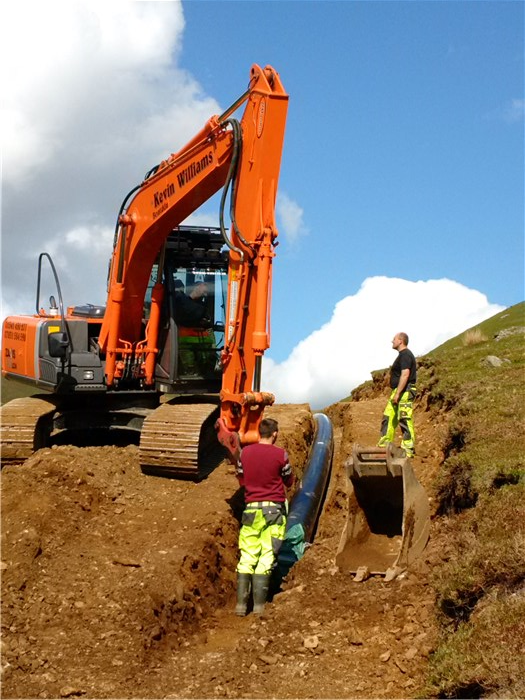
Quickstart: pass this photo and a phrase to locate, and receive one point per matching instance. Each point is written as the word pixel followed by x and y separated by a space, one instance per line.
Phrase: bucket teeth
pixel 362 573
pixel 393 572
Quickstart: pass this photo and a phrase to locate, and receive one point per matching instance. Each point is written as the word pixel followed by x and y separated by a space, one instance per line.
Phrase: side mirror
pixel 58 344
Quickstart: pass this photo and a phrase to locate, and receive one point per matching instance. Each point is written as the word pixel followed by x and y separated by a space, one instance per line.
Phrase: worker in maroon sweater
pixel 265 473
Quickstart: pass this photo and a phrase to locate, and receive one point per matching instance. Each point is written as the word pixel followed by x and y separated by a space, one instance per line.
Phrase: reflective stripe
pixel 194 332
pixel 263 504
pixel 259 541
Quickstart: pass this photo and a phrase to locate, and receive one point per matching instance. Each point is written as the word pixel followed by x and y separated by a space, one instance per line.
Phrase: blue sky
pixel 404 145
pixel 402 183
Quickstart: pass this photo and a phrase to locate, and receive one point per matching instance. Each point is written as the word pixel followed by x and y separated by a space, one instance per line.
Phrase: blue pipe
pixel 306 504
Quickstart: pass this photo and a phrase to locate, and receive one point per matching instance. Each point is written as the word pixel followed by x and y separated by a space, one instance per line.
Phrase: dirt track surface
pixel 116 584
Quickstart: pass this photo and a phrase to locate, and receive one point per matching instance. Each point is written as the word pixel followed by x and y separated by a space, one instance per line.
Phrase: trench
pixel 129 569
pixel 207 581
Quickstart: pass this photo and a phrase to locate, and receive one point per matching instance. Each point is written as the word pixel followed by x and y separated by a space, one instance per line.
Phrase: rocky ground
pixel 118 584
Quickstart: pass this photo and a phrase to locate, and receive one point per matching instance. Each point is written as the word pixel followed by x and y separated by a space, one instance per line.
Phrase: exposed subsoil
pixel 117 584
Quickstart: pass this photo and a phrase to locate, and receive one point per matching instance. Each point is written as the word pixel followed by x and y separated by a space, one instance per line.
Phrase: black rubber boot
pixel 261 584
pixel 244 585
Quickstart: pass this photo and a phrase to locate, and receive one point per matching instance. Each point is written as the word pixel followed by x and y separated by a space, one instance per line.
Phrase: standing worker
pixel 400 407
pixel 264 471
pixel 196 339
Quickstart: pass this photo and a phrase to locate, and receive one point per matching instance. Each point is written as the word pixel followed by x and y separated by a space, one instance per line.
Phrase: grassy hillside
pixel 478 379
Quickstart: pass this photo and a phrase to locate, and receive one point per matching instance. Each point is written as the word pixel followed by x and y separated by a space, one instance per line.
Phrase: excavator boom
pixel 245 155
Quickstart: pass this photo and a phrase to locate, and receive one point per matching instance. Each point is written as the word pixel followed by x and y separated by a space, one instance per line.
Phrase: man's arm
pixel 403 381
pixel 239 472
pixel 287 474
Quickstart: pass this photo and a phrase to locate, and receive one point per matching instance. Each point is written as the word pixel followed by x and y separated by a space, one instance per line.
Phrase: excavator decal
pixel 194 169
pixel 160 197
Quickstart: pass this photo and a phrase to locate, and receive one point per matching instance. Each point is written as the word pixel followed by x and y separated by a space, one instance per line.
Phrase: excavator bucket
pixel 389 516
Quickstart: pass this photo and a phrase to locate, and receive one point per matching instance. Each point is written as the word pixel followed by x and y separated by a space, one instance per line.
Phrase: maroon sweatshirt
pixel 264 471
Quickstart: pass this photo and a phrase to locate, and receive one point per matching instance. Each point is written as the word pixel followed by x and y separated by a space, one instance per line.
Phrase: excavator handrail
pixel 63 324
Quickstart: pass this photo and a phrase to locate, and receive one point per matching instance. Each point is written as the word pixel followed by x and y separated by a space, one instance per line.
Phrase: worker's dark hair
pixel 268 427
pixel 404 338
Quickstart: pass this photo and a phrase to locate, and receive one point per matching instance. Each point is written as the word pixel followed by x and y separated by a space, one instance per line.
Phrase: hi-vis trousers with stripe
pixel 261 536
pixel 402 415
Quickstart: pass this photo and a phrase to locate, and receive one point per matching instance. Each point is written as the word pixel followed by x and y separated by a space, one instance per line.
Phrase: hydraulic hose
pixel 230 182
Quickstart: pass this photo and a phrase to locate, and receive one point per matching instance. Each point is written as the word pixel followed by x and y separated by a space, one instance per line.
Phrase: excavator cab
pixel 195 276
pixel 179 438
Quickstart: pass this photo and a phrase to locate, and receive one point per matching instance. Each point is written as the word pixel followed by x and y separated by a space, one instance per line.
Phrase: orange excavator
pixel 175 354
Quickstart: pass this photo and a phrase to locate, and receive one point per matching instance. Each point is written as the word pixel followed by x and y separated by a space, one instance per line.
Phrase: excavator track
pixel 179 440
pixel 25 424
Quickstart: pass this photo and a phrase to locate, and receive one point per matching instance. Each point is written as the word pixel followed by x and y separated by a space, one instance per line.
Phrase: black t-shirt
pixel 190 312
pixel 404 360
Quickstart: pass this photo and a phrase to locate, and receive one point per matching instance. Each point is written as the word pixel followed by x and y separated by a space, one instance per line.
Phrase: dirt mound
pixel 117 584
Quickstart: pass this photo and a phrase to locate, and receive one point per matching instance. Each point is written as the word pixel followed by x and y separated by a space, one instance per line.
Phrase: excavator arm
pixel 243 156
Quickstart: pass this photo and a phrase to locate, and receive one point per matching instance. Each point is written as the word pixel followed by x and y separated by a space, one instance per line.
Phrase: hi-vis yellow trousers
pixel 261 536
pixel 402 415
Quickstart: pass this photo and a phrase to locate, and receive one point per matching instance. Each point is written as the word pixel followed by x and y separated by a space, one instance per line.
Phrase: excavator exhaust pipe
pixel 389 516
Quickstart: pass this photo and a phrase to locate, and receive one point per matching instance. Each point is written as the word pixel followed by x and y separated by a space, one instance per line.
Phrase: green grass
pixel 485 441
pixel 15 390
pixel 498 564
pixel 484 657
pixel 480 495
pixel 480 506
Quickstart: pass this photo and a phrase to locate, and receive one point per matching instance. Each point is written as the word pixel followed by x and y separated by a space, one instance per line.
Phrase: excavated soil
pixel 117 584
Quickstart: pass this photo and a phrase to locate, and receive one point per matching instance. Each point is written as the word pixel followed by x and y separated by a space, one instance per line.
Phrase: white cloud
pixel 83 73
pixel 511 112
pixel 291 218
pixel 91 103
pixel 515 111
pixel 333 360
pixel 92 100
